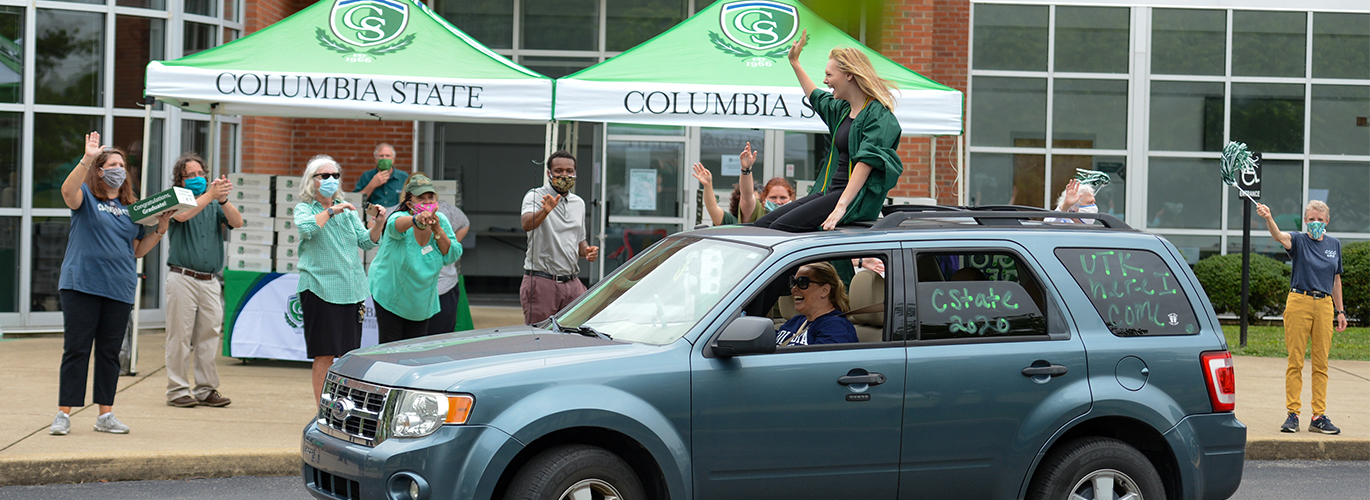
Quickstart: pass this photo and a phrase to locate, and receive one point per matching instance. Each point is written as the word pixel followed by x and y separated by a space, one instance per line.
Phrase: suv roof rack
pixel 995 215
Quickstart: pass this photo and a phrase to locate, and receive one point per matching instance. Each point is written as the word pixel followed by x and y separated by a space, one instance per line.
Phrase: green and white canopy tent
pixel 727 66
pixel 368 59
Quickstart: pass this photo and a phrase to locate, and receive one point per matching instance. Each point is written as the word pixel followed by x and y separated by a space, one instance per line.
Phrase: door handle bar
pixel 870 379
pixel 1053 370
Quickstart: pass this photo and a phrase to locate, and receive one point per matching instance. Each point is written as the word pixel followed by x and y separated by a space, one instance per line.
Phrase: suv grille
pixel 351 410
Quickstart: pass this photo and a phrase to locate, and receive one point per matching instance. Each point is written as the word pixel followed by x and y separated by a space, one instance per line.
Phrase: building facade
pixel 1147 90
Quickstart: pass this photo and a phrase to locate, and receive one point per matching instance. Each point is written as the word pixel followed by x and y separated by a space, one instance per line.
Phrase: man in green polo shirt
pixel 382 185
pixel 195 302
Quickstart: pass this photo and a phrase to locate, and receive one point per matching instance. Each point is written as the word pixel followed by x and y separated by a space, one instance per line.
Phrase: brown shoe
pixel 183 402
pixel 215 400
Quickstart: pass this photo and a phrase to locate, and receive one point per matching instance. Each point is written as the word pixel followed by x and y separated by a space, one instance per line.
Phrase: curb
pixel 148 466
pixel 1331 448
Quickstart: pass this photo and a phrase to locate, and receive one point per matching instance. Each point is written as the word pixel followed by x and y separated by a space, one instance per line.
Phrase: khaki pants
pixel 194 324
pixel 1306 317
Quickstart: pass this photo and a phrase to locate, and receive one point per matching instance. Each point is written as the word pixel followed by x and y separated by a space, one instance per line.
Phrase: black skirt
pixel 330 329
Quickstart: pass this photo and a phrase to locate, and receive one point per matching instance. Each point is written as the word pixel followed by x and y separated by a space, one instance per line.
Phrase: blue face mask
pixel 197 185
pixel 328 186
pixel 771 206
pixel 1316 229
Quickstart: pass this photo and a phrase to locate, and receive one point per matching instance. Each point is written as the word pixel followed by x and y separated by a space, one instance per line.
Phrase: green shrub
pixel 1221 277
pixel 1355 280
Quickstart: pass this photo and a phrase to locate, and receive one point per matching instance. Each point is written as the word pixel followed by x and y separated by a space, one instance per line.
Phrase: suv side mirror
pixel 746 335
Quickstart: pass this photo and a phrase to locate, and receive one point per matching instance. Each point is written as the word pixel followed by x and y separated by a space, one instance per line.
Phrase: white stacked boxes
pixel 285 197
pixel 447 191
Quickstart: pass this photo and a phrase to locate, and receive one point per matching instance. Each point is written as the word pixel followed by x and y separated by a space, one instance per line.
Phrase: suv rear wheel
pixel 575 472
pixel 1097 469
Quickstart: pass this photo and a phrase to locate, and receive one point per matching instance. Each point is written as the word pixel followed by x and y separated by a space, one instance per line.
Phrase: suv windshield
pixel 661 294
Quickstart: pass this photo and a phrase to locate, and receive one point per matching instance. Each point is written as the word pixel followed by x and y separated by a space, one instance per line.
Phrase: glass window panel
pixel 1010 37
pixel 560 24
pixel 1268 43
pixel 1008 111
pixel 128 136
pixel 11 151
pixel 1194 248
pixel 557 67
pixel 1092 39
pixel 495 165
pixel 1129 306
pixel 142 4
pixel 228 133
pixel 69 66
pixel 1090 114
pixel 96 2
pixel 1347 188
pixel 11 54
pixel 644 178
pixel 1007 179
pixel 633 129
pixel 802 153
pixel 231 10
pixel 720 145
pixel 1261 243
pixel 1188 42
pixel 1175 200
pixel 59 142
pixel 625 240
pixel 1268 117
pixel 631 22
pixel 139 40
pixel 1341 45
pixel 489 21
pixel 1112 198
pixel 1186 116
pixel 1281 190
pixel 49 248
pixel 203 7
pixel 9 259
pixel 1339 120
pixel 200 37
pixel 231 35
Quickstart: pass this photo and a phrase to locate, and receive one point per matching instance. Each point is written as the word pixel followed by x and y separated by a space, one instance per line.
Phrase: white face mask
pixel 1088 209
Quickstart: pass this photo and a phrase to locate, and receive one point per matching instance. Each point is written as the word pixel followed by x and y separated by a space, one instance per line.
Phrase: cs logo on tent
pixel 756 28
pixel 294 312
pixel 371 25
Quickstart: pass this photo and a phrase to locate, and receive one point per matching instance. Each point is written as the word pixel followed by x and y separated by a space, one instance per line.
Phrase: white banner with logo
pixel 920 112
pixel 270 322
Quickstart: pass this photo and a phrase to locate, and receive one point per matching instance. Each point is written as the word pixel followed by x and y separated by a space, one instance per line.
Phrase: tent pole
pixel 961 170
pixel 932 168
pixel 138 288
pixel 213 140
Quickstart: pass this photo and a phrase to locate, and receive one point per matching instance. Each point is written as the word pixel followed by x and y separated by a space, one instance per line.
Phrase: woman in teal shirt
pixel 332 287
pixel 862 165
pixel 417 243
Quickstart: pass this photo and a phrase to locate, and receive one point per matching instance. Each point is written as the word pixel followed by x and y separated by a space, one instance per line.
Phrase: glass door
pixel 644 189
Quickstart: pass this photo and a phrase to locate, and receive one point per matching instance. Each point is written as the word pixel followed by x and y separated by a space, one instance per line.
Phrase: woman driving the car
pixel 820 299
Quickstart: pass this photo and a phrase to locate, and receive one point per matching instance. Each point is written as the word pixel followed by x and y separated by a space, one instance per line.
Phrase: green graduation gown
pixel 874 137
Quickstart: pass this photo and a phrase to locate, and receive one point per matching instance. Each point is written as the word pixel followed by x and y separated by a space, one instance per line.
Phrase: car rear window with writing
pixel 1133 290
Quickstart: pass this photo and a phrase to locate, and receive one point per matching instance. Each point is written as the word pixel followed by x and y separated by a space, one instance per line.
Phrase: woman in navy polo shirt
pixel 820 299
pixel 98 280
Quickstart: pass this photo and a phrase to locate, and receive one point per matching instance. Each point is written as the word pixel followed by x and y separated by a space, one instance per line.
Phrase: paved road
pixel 1261 480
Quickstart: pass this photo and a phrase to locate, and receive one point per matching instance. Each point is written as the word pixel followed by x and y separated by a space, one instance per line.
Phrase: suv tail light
pixel 1221 379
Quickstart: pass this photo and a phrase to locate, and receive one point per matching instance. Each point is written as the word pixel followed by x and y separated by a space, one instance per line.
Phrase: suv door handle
pixel 868 379
pixel 1053 370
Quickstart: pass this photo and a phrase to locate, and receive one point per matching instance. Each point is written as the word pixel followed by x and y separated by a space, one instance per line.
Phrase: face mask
pixel 197 185
pixel 1088 209
pixel 1316 229
pixel 114 176
pixel 425 207
pixel 328 186
pixel 384 164
pixel 564 183
pixel 771 206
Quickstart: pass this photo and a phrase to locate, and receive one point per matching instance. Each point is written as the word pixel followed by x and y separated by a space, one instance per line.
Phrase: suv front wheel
pixel 1097 469
pixel 575 472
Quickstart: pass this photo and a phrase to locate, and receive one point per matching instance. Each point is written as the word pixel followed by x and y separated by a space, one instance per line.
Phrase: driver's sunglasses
pixel 800 282
pixel 333 175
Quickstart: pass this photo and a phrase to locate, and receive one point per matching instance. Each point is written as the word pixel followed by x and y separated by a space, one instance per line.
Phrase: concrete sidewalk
pixel 259 434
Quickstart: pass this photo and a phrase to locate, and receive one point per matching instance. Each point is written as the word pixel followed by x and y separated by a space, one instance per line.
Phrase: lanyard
pixel 803 327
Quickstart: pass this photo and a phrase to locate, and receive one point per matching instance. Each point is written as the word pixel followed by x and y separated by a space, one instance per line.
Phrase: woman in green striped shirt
pixel 332 287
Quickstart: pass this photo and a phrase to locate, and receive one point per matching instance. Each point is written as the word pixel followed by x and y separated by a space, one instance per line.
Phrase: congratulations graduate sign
pixel 728 66
pixel 387 59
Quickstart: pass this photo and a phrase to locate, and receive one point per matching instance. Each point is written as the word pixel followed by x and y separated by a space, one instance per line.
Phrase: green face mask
pixel 384 164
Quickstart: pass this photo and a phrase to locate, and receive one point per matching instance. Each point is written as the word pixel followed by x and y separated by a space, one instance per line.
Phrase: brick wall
pixel 281 146
pixel 931 37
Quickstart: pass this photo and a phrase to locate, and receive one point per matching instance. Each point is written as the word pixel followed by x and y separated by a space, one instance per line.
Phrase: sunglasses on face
pixel 800 282
pixel 332 175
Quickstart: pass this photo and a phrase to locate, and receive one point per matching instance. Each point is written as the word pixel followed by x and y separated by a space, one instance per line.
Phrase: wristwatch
pixel 330 212
pixel 747 171
pixel 1343 311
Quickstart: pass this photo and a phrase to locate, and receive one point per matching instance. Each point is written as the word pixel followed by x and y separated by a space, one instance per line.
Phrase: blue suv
pixel 1001 355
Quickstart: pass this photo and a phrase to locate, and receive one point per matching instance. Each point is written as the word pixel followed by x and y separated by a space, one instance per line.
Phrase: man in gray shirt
pixel 554 218
pixel 449 296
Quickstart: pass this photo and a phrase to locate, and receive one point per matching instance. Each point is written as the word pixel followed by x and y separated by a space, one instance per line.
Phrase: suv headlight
pixel 418 414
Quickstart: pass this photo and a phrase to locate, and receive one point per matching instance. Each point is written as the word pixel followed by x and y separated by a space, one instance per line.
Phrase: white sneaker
pixel 107 423
pixel 60 425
